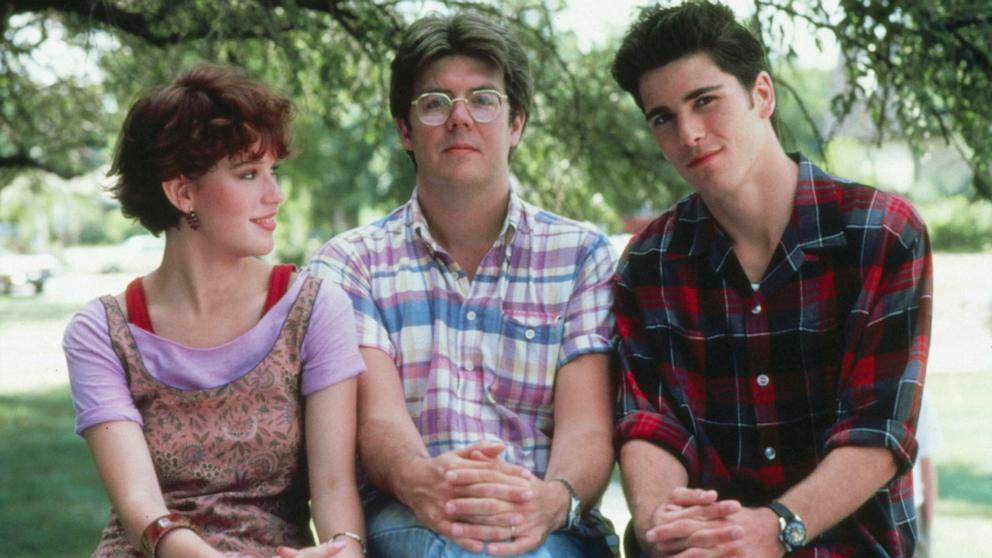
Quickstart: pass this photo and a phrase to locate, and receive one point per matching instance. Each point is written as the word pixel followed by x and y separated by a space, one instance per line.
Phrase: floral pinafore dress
pixel 231 458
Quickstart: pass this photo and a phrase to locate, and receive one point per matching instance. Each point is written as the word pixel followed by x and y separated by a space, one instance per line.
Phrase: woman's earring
pixel 192 219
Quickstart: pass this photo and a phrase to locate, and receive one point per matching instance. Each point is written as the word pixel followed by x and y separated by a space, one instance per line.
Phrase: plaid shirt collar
pixel 817 222
pixel 515 220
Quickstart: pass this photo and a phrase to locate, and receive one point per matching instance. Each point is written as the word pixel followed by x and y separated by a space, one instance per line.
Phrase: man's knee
pixel 395 532
pixel 570 545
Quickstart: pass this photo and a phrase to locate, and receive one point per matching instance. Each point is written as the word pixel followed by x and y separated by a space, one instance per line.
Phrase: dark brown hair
pixel 467 34
pixel 663 35
pixel 208 113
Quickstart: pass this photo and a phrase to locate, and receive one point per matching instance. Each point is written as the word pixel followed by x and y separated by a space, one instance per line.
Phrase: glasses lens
pixel 433 109
pixel 484 105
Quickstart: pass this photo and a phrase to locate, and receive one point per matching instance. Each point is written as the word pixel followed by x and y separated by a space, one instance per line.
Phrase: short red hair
pixel 208 113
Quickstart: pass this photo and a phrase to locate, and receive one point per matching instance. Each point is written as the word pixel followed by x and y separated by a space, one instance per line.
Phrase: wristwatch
pixel 791 529
pixel 574 504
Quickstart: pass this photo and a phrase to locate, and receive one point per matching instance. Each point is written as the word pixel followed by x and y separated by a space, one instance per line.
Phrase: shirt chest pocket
pixel 526 359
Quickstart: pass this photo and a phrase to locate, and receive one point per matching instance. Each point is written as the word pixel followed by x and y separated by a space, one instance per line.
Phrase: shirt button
pixel 756 309
pixel 471 316
pixel 529 334
pixel 467 366
pixel 770 453
pixel 762 380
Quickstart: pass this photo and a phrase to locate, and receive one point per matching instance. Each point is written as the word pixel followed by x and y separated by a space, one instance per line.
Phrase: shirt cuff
pixel 93 417
pixel 575 347
pixel 309 388
pixel 667 434
pixel 877 433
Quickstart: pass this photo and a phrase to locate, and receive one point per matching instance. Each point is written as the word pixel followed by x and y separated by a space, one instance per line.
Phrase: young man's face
pixel 712 129
pixel 461 151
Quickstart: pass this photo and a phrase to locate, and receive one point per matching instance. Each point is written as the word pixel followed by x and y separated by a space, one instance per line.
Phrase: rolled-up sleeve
pixel 588 318
pixel 96 375
pixel 884 365
pixel 339 262
pixel 330 351
pixel 645 409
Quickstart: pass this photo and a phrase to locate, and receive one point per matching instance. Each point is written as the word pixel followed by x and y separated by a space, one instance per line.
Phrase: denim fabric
pixel 394 532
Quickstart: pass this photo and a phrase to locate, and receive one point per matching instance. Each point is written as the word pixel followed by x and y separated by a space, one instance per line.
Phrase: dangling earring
pixel 192 219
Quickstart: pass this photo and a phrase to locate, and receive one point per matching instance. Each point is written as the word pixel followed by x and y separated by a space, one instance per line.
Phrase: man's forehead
pixel 669 84
pixel 458 69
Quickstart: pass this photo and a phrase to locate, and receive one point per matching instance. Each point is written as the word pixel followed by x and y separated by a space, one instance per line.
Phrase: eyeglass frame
pixel 499 95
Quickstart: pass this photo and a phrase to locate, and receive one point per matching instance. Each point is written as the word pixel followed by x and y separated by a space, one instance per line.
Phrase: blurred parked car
pixel 22 269
pixel 138 254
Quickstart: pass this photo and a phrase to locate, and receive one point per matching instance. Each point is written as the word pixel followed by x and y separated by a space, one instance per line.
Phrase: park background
pixel 895 94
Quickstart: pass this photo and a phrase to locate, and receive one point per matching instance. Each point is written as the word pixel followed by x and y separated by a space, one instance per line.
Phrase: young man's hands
pixel 695 523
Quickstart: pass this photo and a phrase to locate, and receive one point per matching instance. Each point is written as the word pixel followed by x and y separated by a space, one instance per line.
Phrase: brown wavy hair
pixel 185 129
pixel 463 34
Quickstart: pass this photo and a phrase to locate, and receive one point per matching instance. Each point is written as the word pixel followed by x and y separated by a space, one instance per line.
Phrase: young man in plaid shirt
pixel 485 415
pixel 773 325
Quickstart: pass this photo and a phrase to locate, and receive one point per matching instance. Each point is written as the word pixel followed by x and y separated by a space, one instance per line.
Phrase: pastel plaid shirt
pixel 751 388
pixel 478 359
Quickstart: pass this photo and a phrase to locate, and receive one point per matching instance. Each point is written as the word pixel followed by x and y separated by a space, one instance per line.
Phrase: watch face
pixel 794 534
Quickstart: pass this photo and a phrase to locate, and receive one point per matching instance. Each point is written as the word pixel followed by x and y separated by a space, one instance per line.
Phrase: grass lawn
pixel 964 464
pixel 51 499
pixel 52 503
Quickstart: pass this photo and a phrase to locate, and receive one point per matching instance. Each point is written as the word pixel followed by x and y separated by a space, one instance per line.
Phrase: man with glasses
pixel 485 416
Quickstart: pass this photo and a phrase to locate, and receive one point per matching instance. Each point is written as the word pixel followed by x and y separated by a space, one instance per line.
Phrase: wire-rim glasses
pixel 434 108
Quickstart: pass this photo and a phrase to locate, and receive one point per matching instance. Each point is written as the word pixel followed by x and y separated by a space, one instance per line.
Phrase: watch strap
pixel 787 523
pixel 782 511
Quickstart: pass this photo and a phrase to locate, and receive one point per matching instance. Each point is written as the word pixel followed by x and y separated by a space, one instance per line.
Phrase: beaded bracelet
pixel 353 536
pixel 157 529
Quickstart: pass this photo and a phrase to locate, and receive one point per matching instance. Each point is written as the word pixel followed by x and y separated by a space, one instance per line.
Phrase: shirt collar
pixel 818 218
pixel 515 220
pixel 817 221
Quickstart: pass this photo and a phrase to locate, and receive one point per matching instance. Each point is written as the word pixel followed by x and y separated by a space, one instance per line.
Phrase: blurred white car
pixel 23 269
pixel 138 254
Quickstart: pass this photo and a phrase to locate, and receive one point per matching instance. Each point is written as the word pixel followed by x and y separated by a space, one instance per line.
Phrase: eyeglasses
pixel 434 108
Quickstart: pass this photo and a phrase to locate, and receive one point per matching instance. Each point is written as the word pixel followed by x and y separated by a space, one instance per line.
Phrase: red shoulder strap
pixel 278 284
pixel 137 306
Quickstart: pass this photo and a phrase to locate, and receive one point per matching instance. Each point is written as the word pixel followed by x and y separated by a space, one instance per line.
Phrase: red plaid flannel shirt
pixel 751 389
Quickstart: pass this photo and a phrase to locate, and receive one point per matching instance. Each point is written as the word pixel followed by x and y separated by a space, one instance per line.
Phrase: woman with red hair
pixel 217 393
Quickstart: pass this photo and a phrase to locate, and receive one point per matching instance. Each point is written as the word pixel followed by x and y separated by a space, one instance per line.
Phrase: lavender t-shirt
pixel 99 384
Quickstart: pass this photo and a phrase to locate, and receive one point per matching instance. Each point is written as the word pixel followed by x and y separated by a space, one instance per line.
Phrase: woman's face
pixel 236 202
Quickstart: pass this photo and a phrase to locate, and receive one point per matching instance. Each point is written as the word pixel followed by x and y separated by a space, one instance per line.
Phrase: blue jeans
pixel 394 532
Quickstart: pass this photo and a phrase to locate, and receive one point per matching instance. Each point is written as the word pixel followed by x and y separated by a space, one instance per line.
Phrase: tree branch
pixel 25 161
pixel 806 116
pixel 100 11
pixel 139 25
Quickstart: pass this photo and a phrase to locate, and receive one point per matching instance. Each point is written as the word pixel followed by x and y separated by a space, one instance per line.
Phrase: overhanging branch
pixel 25 161
pixel 141 25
